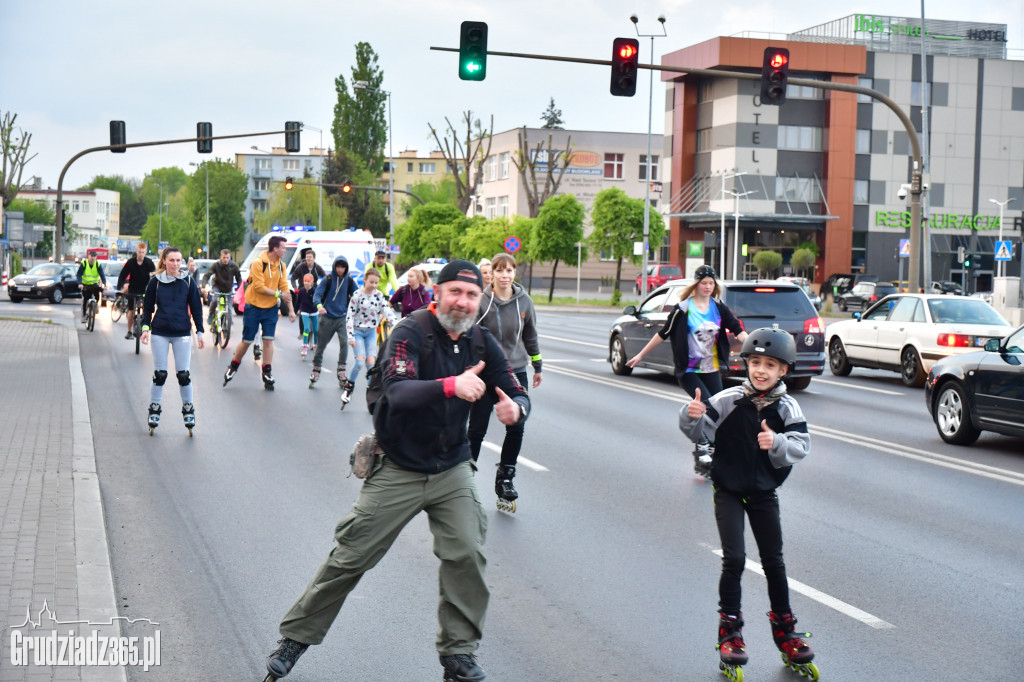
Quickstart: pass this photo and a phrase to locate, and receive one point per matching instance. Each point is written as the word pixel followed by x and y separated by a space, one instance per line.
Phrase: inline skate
pixel 795 652
pixel 731 649
pixel 503 488
pixel 268 378
pixel 314 376
pixel 188 413
pixel 154 417
pixel 346 394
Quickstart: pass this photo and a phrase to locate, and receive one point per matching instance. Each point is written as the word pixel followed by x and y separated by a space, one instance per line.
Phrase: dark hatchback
pixel 983 391
pixel 756 304
pixel 864 295
pixel 55 281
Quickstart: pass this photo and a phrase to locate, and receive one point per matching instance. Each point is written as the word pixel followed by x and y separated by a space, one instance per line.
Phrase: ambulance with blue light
pixel 357 246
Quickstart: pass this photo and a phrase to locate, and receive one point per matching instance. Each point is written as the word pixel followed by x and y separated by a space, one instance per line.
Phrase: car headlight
pixel 43 283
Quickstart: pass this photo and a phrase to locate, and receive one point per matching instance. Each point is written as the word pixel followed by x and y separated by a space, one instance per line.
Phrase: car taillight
pixel 873 297
pixel 815 325
pixel 765 290
pixel 954 340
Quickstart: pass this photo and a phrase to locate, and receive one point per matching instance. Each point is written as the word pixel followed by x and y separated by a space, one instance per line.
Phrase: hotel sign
pixel 899 26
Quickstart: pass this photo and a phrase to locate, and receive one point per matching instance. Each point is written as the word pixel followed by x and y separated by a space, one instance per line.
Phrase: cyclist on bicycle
pixel 90 274
pixel 133 280
pixel 226 276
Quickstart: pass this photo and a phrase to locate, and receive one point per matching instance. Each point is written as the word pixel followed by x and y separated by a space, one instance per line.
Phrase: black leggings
pixel 480 416
pixel 709 384
pixel 763 511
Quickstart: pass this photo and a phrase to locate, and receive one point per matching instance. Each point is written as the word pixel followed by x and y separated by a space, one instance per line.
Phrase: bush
pixel 767 261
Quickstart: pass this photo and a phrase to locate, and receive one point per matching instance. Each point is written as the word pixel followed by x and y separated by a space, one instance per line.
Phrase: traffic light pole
pixel 916 189
pixel 58 235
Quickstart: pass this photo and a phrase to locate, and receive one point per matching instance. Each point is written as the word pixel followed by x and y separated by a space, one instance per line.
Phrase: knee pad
pixel 184 378
pixel 159 377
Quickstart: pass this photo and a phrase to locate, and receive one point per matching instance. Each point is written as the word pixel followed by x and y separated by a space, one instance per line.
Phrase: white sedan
pixel 908 333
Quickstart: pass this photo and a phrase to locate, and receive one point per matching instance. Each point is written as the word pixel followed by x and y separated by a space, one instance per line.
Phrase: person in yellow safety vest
pixel 388 278
pixel 90 274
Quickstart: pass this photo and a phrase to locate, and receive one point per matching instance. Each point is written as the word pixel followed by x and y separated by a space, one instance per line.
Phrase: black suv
pixel 756 304
pixel 865 295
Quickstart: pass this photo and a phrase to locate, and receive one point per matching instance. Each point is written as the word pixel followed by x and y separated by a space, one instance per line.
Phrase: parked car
pixel 864 295
pixel 202 265
pixel 805 284
pixel 658 275
pixel 55 281
pixel 843 282
pixel 755 303
pixel 979 391
pixel 432 269
pixel 908 333
pixel 946 287
pixel 112 270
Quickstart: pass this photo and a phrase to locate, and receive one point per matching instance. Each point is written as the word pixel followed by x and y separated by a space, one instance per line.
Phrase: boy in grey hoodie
pixel 507 312
pixel 331 298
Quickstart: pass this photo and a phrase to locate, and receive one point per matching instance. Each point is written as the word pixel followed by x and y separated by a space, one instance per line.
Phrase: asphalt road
pixel 904 553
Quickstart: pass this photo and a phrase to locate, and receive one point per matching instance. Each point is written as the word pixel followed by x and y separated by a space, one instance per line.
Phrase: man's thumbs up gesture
pixel 766 438
pixel 507 409
pixel 468 385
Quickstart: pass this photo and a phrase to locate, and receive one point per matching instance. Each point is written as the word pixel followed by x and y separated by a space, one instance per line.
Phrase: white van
pixel 357 246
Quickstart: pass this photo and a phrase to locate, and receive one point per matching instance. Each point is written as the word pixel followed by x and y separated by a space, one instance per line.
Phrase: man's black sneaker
pixel 461 668
pixel 283 658
pixel 129 335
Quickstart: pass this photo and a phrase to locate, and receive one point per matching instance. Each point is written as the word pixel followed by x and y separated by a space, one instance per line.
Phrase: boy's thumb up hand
pixel 696 408
pixel 696 395
pixel 766 438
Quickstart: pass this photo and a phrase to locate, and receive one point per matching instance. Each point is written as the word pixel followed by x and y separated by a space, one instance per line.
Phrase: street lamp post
pixel 363 85
pixel 196 165
pixel 647 176
pixel 320 179
pixel 1001 205
pixel 736 232
pixel 160 218
pixel 721 248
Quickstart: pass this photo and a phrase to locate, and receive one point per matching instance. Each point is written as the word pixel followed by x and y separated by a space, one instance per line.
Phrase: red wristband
pixel 449 386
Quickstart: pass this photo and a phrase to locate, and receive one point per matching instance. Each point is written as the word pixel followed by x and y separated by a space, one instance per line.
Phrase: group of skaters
pixel 444 371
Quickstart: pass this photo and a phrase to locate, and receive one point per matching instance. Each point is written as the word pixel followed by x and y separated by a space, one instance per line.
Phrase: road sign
pixel 904 248
pixel 512 245
pixel 163 245
pixel 1004 251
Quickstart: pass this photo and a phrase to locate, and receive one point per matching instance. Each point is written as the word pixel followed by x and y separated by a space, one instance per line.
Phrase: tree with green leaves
pixel 767 261
pixel 802 260
pixel 619 222
pixel 432 230
pixel 38 213
pixel 300 206
pixel 364 208
pixel 441 192
pixel 552 117
pixel 170 225
pixel 133 212
pixel 228 192
pixel 170 178
pixel 557 229
pixel 483 238
pixel 360 126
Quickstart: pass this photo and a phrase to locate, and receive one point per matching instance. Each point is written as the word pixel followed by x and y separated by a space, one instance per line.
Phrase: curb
pixel 96 600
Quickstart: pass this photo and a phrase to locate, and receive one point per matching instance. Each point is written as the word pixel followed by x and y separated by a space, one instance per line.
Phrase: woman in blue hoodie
pixel 174 295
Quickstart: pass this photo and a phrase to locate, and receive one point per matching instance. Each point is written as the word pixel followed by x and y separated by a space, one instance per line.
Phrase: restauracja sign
pixel 944 221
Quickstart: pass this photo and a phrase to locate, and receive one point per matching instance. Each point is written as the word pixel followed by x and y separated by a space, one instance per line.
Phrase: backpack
pixel 374 376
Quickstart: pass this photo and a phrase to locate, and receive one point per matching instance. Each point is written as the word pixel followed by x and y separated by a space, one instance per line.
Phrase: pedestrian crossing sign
pixel 1004 251
pixel 904 248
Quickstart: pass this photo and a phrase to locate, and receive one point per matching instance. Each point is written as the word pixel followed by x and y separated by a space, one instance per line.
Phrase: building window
pixel 704 140
pixel 503 165
pixel 643 168
pixel 490 206
pixel 259 205
pixel 613 166
pixel 794 189
pixel 863 145
pixel 800 138
pixel 491 168
pixel 860 191
pixel 263 164
pixel 260 185
pixel 915 93
pixel 409 167
pixel 705 91
pixel 291 164
pixel 503 206
pixel 74 206
pixel 865 83
pixel 85 206
pixel 803 92
pixel 428 168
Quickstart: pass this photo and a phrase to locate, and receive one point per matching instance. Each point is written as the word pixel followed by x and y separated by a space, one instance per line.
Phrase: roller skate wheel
pixel 151 430
pixel 733 672
pixel 189 431
pixel 507 505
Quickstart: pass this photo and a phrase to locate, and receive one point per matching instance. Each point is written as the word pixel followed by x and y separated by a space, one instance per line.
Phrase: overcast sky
pixel 69 67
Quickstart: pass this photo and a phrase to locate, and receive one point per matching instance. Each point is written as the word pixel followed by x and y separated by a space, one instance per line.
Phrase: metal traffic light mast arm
pixel 370 189
pixel 914 276
pixel 58 238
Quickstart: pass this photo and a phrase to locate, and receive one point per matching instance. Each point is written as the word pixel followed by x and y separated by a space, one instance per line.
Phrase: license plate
pixel 24 288
pixel 980 341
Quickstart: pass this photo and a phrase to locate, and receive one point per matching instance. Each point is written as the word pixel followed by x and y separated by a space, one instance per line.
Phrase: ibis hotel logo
pixel 898 26
pixel 47 641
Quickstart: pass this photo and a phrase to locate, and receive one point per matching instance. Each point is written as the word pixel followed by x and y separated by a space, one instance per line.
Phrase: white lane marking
pixel 822 598
pixel 965 466
pixel 528 463
pixel 576 341
pixel 859 388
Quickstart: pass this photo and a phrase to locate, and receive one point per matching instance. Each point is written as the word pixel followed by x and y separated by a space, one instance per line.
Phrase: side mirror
pixel 629 310
pixel 992 345
pixel 856 316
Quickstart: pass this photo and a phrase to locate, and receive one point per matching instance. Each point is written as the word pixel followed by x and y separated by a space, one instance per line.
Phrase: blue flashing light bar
pixel 293 228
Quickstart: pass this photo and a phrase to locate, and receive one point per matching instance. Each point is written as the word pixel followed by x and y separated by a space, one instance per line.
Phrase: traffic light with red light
pixel 291 136
pixel 288 184
pixel 625 57
pixel 774 75
pixel 346 186
pixel 117 136
pixel 204 130
pixel 473 51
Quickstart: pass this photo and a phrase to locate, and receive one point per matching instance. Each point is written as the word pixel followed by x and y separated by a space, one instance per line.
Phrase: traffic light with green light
pixel 968 258
pixel 625 57
pixel 473 51
pixel 774 75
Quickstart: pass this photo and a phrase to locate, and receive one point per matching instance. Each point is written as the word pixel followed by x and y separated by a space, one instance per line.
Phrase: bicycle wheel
pixel 90 314
pixel 225 327
pixel 117 310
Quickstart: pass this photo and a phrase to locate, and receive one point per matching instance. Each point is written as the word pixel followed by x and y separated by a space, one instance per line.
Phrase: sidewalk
pixel 53 544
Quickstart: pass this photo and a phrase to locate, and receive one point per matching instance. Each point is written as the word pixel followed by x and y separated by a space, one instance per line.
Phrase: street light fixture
pixel 650 114
pixel 1002 205
pixel 196 165
pixel 736 231
pixel 363 85
pixel 721 248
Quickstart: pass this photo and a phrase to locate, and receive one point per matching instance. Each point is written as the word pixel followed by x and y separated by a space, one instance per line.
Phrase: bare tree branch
pixel 15 157
pixel 470 154
pixel 526 163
